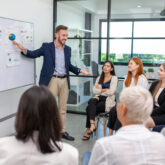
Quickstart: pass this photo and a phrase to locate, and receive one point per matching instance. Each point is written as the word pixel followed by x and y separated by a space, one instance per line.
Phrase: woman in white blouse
pixel 133 144
pixel 157 90
pixel 38 133
pixel 135 77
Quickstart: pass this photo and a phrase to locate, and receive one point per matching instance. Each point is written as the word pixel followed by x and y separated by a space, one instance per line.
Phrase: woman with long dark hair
pixel 135 77
pixel 104 90
pixel 157 90
pixel 38 133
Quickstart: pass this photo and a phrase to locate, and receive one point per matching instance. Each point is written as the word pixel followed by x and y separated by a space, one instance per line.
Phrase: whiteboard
pixel 15 69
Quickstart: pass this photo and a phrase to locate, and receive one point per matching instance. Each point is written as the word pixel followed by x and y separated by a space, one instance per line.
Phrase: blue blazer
pixel 47 50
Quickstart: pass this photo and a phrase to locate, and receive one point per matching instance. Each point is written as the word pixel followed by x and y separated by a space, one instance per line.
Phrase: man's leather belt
pixel 59 76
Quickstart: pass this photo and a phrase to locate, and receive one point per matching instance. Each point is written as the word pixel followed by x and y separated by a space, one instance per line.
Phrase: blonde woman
pixel 157 90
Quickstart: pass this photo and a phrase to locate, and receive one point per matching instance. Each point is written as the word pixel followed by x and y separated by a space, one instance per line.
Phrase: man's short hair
pixel 139 104
pixel 61 27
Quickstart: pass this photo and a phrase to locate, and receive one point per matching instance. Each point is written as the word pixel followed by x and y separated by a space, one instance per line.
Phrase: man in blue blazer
pixel 55 69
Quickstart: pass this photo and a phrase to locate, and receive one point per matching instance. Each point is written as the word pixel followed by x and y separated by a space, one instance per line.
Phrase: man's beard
pixel 60 41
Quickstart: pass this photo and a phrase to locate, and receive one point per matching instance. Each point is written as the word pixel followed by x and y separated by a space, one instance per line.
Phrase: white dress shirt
pixel 132 145
pixel 142 82
pixel 14 152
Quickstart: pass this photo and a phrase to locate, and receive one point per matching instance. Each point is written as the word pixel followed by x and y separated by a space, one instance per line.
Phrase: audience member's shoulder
pixel 163 132
pixel 98 77
pixel 68 148
pixel 7 138
pixel 158 135
pixel 142 77
pixel 114 77
pixel 106 140
pixel 9 141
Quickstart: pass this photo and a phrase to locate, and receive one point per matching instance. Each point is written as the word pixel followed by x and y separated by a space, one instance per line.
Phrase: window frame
pixel 132 38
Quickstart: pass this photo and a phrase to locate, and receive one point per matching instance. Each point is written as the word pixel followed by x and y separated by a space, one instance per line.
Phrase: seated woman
pixel 38 133
pixel 105 90
pixel 157 90
pixel 135 77
pixel 133 143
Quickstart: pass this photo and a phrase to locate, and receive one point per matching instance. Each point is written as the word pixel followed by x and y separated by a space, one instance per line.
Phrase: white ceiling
pixel 129 6
pixel 118 7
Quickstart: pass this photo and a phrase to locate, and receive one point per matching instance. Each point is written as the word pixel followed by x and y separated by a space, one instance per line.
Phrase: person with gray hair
pixel 133 144
pixel 135 77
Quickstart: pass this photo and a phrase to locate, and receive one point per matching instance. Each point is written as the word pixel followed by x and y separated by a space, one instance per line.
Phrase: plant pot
pixel 150 75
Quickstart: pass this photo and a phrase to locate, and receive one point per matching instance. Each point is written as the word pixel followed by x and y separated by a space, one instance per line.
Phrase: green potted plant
pixel 150 72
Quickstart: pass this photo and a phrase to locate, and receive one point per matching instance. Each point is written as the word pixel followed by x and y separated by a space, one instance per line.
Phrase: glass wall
pixel 82 16
pixel 150 48
pixel 142 39
pixel 115 30
pixel 82 19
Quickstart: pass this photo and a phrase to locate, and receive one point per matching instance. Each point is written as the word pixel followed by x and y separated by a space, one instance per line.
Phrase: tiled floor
pixel 76 126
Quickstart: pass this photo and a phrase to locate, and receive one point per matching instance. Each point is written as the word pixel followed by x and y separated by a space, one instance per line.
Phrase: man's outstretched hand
pixel 19 46
pixel 86 72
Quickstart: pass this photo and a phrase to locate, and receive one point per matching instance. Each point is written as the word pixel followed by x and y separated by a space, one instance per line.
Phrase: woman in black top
pixel 157 90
